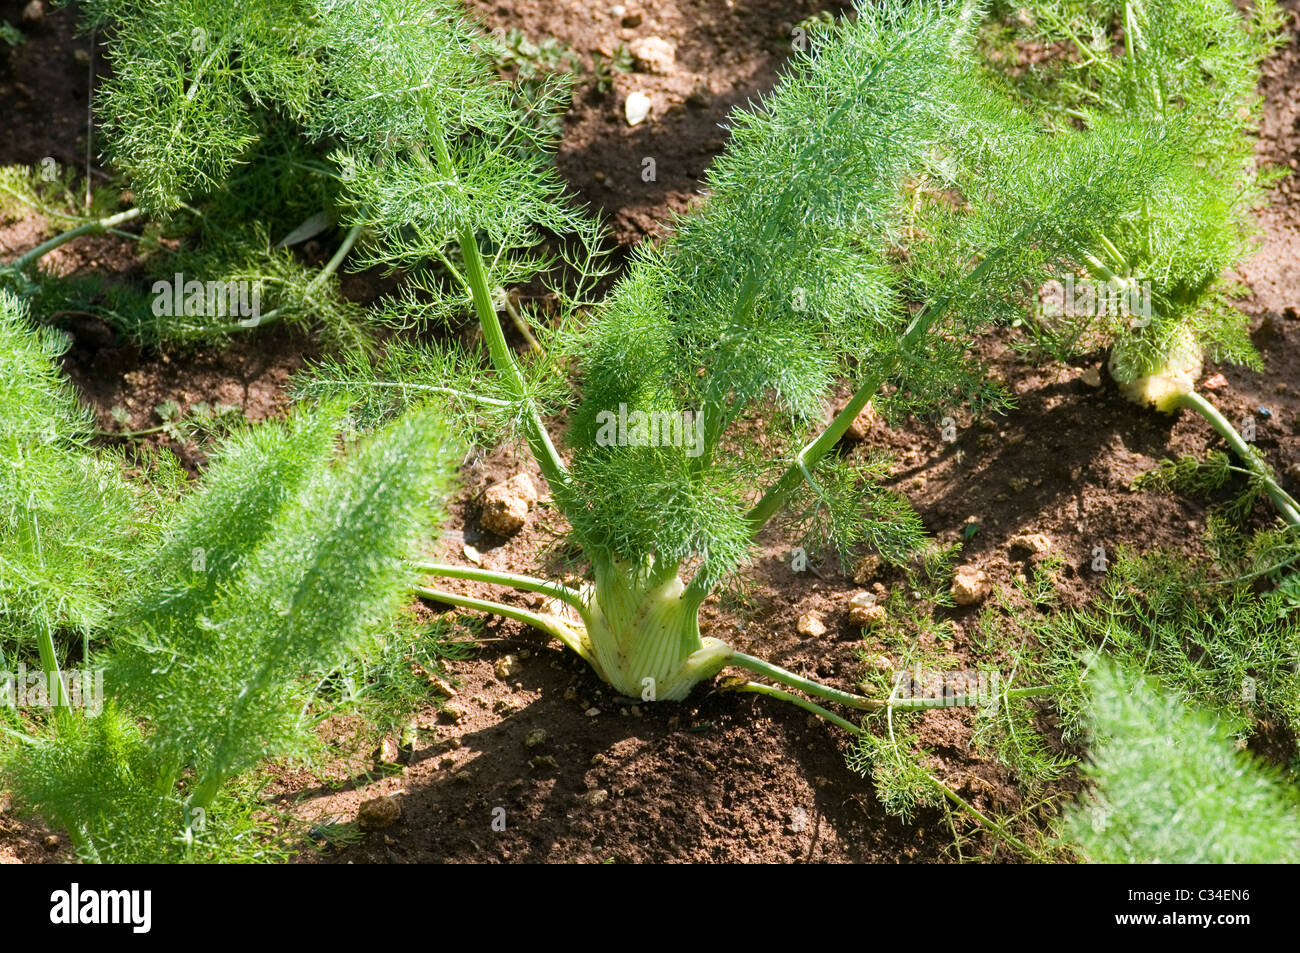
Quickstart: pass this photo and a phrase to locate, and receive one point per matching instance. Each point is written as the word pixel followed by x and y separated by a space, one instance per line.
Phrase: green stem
pixel 480 289
pixel 770 691
pixel 527 583
pixel 548 624
pixel 785 677
pixel 1287 506
pixel 19 736
pixel 808 457
pixel 539 441
pixel 861 702
pixel 758 688
pixel 129 433
pixel 95 227
pixel 979 815
pixel 402 385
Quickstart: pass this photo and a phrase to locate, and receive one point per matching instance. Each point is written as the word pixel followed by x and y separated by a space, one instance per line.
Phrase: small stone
pixel 81 57
pixel 592 712
pixel 863 423
pixel 472 554
pixel 452 713
pixel 505 667
pixel 1031 544
pixel 811 625
pixel 867 617
pixel 543 761
pixel 594 798
pixel 970 586
pixel 505 505
pixel 388 752
pixel 378 813
pixel 1018 484
pixel 636 108
pixel 1215 382
pixel 866 569
pixel 34 12
pixel 881 663
pixel 1091 377
pixel 598 759
pixel 535 737
pixel 51 842
pixel 653 54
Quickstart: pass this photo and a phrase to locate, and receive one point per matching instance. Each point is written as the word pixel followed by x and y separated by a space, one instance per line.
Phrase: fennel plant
pixel 879 209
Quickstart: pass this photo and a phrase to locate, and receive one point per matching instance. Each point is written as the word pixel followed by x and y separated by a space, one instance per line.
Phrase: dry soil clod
pixel 378 813
pixel 970 586
pixel 506 505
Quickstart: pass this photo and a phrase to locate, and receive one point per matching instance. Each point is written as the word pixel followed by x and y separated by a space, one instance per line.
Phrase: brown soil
pixel 721 777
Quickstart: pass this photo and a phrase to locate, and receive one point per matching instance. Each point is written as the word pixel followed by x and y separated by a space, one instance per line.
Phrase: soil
pixel 720 777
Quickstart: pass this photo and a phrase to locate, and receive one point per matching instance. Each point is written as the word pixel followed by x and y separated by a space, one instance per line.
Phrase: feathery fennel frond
pixel 191 80
pixel 209 676
pixel 778 283
pixel 1171 786
pixel 319 561
pixel 68 520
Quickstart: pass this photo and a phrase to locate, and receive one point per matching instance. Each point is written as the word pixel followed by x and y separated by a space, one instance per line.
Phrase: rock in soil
pixel 378 813
pixel 505 667
pixel 535 738
pixel 863 423
pixel 653 54
pixel 388 752
pixel 970 586
pixel 506 505
pixel 1030 544
pixel 636 108
pixel 811 625
pixel 866 569
pixel 864 612
pixel 881 663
